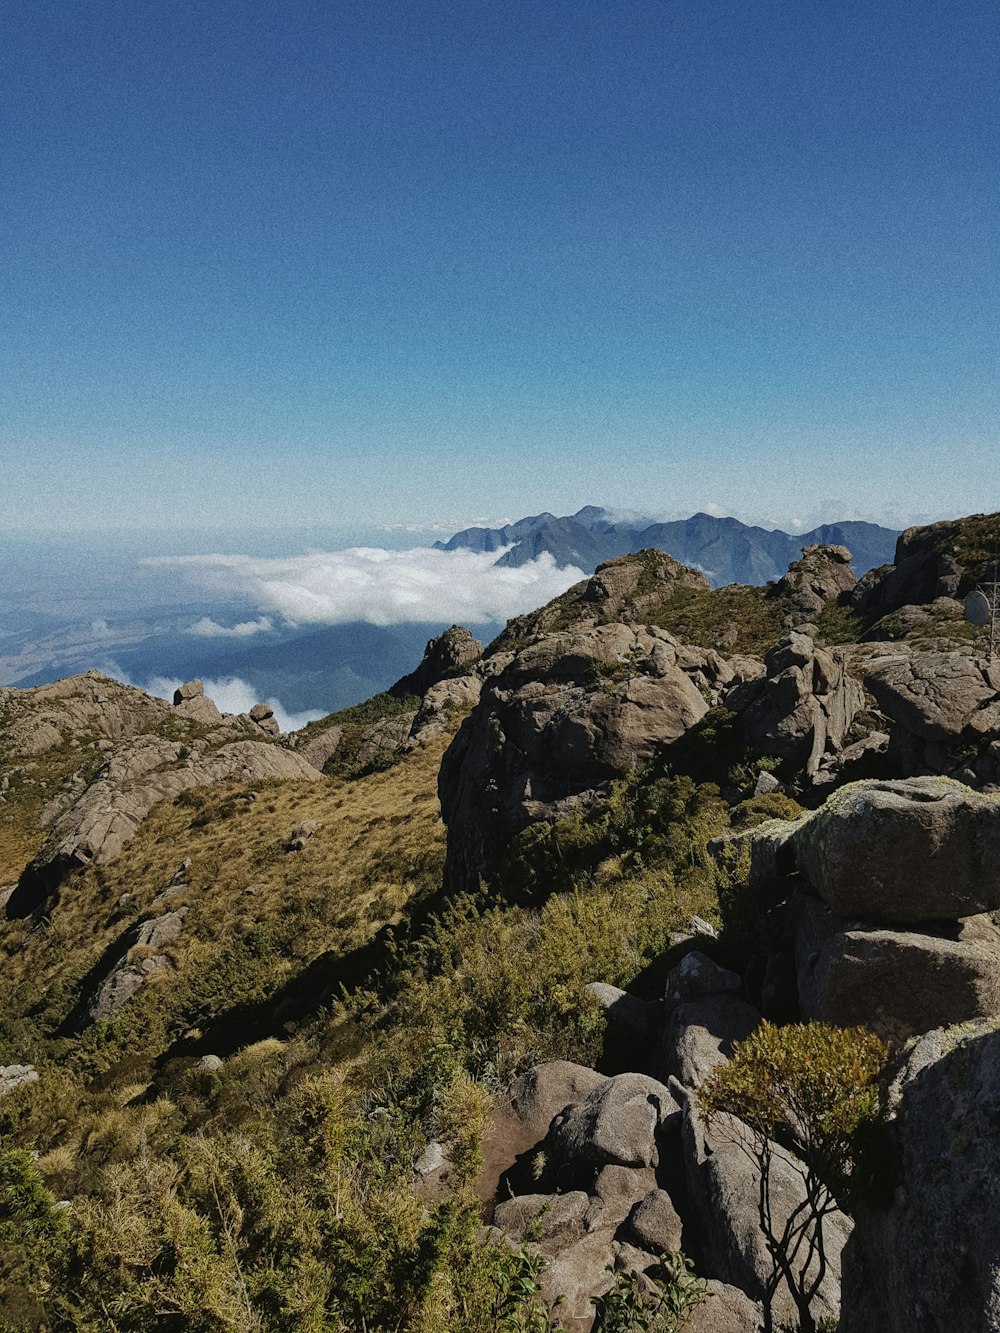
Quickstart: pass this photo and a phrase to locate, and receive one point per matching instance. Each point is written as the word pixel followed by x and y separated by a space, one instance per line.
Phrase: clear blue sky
pixel 405 260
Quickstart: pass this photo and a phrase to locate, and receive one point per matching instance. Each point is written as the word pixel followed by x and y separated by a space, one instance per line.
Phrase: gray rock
pixel 897 983
pixel 934 695
pixel 696 976
pixel 701 1034
pixel 301 834
pixel 617 1124
pixel 822 576
pixel 554 1220
pixel 577 1274
pixel 433 1158
pixel 573 709
pixel 654 1223
pixel 725 1310
pixel 135 968
pixel 802 708
pixel 930 1260
pixel 449 654
pixel 907 851
pixel 630 1035
pixel 723 1183
pixel 520 1119
pixel 616 1191
pixel 16 1076
pixel 209 1064
pixel 766 784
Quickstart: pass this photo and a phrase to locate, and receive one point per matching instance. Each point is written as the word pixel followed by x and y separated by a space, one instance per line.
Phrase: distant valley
pixel 148 626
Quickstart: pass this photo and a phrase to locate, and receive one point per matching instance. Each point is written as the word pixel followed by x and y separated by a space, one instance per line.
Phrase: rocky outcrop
pixel 628 589
pixel 801 709
pixel 79 710
pixel 191 700
pixel 939 559
pixel 896 983
pixel 16 1076
pixel 723 1180
pixel 929 1258
pixel 138 958
pixel 453 653
pixel 921 850
pixel 138 775
pixel 823 576
pixel 570 712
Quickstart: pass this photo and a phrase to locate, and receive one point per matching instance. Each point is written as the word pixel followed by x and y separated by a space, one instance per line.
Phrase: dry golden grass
pixel 379 840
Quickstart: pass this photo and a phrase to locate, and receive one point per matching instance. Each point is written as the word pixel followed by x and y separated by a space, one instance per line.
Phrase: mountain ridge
pixel 725 549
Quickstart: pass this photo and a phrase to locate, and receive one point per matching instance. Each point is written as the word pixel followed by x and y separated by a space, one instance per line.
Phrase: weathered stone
pixel 578 1273
pixel 553 1218
pixel 696 976
pixel 449 654
pixel 930 1259
pixel 16 1076
pixel 822 576
pixel 617 1124
pixel 701 1034
pixel 723 1181
pixel 632 1024
pixel 802 708
pixel 134 967
pixel 935 696
pixel 520 1120
pixel 897 983
pixel 726 1309
pixel 906 851
pixel 616 1191
pixel 572 711
pixel 654 1223
pixel 209 1064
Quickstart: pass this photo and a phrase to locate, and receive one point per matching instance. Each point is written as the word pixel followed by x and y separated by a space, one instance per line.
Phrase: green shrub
pixel 813 1089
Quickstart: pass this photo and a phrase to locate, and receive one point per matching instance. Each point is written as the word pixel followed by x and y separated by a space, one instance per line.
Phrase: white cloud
pixel 210 629
pixel 230 694
pixel 380 586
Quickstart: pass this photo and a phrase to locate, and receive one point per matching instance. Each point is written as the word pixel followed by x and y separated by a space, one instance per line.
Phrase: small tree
pixel 810 1088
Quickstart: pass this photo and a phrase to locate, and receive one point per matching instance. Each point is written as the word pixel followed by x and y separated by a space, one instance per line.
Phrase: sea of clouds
pixel 365 583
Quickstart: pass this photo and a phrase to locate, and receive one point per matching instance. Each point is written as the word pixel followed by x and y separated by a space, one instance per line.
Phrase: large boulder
pixel 521 1118
pixel 923 849
pixel 822 576
pixel 138 957
pixel 936 696
pixel 702 1033
pixel 929 1259
pixel 571 711
pixel 724 1186
pixel 801 709
pixel 897 983
pixel 619 1124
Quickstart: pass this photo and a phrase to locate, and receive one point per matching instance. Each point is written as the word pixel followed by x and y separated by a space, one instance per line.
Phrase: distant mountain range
pixel 727 550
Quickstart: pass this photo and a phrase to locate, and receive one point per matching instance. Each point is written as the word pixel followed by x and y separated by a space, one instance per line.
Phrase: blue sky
pixel 299 262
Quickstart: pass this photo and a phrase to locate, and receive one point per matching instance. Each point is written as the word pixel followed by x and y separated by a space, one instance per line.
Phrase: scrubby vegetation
pixel 358 1015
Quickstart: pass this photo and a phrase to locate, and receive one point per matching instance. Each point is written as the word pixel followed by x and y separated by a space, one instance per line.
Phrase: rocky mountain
pixel 727 550
pixel 646 958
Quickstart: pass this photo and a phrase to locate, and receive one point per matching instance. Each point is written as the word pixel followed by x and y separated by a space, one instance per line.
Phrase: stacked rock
pixel 892 925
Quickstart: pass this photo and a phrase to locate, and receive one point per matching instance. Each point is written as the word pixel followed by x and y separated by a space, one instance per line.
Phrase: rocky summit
pixel 639 970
